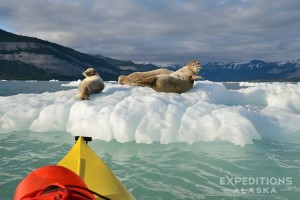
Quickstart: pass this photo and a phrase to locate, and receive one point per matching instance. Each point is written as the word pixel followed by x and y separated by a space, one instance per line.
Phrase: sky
pixel 163 31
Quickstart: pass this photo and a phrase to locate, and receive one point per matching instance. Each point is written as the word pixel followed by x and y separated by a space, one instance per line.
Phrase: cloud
pixel 163 31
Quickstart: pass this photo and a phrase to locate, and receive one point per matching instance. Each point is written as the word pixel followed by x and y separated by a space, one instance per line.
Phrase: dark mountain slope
pixel 22 55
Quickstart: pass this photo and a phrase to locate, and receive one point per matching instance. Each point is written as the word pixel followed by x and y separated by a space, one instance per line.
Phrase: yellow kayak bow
pixel 82 160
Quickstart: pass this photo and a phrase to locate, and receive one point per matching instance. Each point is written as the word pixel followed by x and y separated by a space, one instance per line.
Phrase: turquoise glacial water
pixel 203 170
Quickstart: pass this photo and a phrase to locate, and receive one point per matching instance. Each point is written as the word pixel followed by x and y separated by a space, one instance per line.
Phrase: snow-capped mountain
pixel 244 64
pixel 254 70
pixel 172 67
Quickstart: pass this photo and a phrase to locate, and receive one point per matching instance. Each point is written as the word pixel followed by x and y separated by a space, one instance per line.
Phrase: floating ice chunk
pixel 208 112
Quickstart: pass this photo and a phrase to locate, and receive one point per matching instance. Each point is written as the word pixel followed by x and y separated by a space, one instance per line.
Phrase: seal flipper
pixel 149 82
pixel 85 95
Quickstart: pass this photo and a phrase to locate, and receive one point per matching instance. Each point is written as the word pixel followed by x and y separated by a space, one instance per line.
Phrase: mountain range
pixel 29 58
pixel 254 70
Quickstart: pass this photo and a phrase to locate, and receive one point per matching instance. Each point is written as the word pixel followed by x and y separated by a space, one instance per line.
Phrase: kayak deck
pixel 82 160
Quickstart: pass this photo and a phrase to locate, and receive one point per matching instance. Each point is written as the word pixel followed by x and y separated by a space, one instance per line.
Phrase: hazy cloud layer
pixel 171 31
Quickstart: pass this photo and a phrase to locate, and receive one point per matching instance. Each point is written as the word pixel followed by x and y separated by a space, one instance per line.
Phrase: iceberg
pixel 208 112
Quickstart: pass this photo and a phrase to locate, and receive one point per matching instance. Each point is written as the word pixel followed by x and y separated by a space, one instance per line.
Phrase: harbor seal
pixel 92 83
pixel 134 78
pixel 179 81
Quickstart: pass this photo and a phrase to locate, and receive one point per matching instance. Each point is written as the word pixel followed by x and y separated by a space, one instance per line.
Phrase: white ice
pixel 72 84
pixel 208 112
